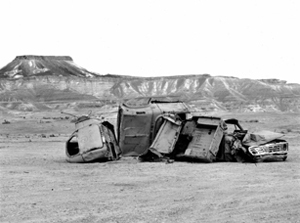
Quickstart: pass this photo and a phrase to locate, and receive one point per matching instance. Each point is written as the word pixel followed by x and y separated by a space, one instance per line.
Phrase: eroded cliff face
pixel 217 93
pixel 37 82
pixel 52 92
pixel 206 93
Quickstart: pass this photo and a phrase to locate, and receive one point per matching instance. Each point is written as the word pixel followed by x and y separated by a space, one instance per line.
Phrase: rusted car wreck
pixel 167 130
pixel 93 140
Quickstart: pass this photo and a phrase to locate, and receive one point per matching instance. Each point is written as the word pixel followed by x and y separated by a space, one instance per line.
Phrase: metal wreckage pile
pixel 167 131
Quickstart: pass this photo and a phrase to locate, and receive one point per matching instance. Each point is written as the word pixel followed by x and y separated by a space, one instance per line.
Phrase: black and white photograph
pixel 150 111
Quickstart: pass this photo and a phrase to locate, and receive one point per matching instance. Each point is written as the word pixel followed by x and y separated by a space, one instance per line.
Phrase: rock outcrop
pixel 43 82
pixel 28 65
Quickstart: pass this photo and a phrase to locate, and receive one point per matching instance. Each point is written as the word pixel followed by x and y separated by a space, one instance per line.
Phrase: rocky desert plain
pixel 38 185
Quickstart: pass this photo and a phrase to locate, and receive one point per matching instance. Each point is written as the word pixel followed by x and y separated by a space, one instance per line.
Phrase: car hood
pixel 260 138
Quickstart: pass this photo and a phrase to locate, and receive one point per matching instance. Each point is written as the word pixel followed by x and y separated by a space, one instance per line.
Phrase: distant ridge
pixel 49 82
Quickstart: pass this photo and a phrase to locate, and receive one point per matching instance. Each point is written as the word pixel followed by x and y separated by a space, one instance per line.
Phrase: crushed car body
pixel 92 140
pixel 207 139
pixel 266 146
pixel 243 146
pixel 137 125
pixel 206 134
pixel 158 130
pixel 195 139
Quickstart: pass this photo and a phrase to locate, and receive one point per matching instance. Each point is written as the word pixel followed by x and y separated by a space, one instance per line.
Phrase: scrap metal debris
pixel 93 140
pixel 167 131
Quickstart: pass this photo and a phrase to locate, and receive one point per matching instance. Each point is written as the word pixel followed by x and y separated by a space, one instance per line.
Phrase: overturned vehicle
pixel 241 145
pixel 93 140
pixel 166 130
pixel 208 139
pixel 163 129
pixel 138 123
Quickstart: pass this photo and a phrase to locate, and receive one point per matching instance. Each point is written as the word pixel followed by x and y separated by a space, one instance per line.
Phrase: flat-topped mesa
pixel 38 65
pixel 34 57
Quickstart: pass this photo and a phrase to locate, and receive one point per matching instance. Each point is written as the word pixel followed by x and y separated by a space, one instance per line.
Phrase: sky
pixel 257 39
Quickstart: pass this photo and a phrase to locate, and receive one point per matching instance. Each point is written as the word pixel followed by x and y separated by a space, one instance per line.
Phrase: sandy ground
pixel 38 185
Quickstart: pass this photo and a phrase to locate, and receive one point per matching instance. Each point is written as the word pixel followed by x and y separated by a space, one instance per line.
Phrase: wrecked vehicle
pixel 138 122
pixel 155 130
pixel 241 145
pixel 207 139
pixel 196 139
pixel 93 140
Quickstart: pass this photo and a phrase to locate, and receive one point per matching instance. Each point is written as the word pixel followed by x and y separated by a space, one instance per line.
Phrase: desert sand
pixel 38 185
